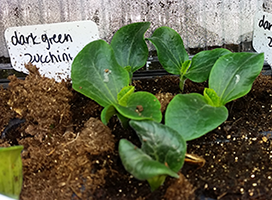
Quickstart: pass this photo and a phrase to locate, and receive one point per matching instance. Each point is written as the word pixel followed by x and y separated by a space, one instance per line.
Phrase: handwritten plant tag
pixel 51 47
pixel 262 36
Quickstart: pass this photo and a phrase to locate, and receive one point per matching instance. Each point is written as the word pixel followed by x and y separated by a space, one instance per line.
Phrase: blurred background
pixel 202 24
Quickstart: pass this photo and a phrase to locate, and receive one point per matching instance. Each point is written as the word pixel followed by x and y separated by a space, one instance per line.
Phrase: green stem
pixel 130 77
pixel 124 121
pixel 156 181
pixel 182 82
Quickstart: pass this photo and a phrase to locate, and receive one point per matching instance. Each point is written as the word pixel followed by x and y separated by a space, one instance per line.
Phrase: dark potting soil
pixel 69 154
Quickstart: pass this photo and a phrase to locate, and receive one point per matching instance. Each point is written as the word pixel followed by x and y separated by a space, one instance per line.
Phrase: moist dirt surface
pixel 69 154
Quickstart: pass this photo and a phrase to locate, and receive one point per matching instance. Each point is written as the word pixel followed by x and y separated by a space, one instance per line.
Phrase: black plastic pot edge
pixel 146 74
pixel 4 82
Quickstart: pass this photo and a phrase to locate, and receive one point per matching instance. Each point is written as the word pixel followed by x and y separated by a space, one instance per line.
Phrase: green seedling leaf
pixel 128 68
pixel 161 143
pixel 170 49
pixel 192 116
pixel 129 45
pixel 11 173
pixel 141 106
pixel 123 95
pixel 212 98
pixel 185 66
pixel 233 74
pixel 142 166
pixel 96 74
pixel 107 113
pixel 202 64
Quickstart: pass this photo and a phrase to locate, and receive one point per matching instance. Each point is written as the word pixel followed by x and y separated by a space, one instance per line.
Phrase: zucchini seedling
pixel 175 60
pixel 162 152
pixel 103 71
pixel 231 77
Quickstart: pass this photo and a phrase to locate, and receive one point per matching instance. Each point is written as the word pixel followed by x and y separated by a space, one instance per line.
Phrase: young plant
pixel 231 77
pixel 102 72
pixel 161 154
pixel 11 173
pixel 190 116
pixel 130 49
pixel 175 60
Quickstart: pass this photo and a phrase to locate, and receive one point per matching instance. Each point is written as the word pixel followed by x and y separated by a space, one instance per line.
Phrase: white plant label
pixel 51 47
pixel 262 36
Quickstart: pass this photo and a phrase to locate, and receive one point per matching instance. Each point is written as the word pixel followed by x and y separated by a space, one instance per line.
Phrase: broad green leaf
pixel 202 64
pixel 97 75
pixel 11 172
pixel 129 45
pixel 107 113
pixel 170 49
pixel 161 143
pixel 123 95
pixel 233 74
pixel 192 116
pixel 212 98
pixel 140 165
pixel 141 106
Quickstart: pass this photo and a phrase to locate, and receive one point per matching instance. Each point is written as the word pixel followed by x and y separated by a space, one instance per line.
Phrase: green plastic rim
pixel 11 173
